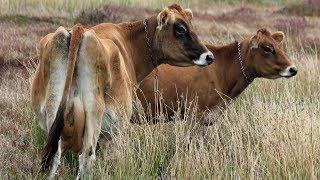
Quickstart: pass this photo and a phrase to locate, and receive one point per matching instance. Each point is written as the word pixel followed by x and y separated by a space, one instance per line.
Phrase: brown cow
pixel 86 78
pixel 236 66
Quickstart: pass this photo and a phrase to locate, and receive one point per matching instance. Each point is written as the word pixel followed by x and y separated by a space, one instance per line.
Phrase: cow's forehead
pixel 179 13
pixel 266 36
pixel 175 7
pixel 268 39
pixel 264 31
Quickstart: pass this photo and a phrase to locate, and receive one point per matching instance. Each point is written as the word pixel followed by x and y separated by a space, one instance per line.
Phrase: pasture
pixel 271 131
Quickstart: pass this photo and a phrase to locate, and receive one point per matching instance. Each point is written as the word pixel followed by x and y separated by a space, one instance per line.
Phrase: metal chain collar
pixel 241 63
pixel 154 60
pixel 155 63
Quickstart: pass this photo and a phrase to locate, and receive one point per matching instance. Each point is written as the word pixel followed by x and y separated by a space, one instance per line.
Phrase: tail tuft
pixel 53 140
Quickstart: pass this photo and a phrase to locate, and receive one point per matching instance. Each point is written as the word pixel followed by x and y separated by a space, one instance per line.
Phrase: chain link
pixel 241 63
pixel 155 63
pixel 154 60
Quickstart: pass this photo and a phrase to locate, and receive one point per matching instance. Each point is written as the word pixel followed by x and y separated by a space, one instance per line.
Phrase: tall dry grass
pixel 71 7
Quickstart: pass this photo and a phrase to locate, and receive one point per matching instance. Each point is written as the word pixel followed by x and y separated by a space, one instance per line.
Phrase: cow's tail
pixel 58 124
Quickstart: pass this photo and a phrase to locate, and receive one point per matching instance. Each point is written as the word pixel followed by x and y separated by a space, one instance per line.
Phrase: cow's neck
pixel 141 59
pixel 228 68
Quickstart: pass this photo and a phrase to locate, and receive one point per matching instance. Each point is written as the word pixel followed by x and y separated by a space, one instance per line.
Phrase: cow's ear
pixel 254 42
pixel 278 36
pixel 188 13
pixel 164 17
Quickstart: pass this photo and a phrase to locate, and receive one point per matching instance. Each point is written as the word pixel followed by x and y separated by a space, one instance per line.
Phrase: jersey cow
pixel 86 76
pixel 236 66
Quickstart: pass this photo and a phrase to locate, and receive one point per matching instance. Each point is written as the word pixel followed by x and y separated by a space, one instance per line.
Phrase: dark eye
pixel 180 29
pixel 268 49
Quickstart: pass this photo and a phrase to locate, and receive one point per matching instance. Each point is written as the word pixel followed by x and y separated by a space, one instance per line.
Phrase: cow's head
pixel 176 39
pixel 268 58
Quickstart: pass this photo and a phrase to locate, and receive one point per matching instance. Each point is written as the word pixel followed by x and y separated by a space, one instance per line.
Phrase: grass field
pixel 272 131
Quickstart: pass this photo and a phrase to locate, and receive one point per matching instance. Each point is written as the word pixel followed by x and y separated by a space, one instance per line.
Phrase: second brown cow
pixel 235 67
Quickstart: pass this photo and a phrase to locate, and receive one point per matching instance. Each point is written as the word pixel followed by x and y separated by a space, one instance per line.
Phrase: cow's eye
pixel 268 49
pixel 180 29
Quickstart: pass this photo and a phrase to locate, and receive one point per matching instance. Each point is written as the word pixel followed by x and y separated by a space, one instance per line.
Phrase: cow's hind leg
pixel 56 162
pixel 92 92
pixel 57 55
pixel 109 129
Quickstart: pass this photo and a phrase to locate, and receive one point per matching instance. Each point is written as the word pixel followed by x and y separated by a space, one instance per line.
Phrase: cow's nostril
pixel 209 58
pixel 293 70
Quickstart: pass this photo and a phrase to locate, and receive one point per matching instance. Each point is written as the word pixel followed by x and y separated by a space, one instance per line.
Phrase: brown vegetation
pixel 113 14
pixel 307 8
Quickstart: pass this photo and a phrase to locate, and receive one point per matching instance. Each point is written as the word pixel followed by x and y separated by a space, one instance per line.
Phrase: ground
pixel 270 131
